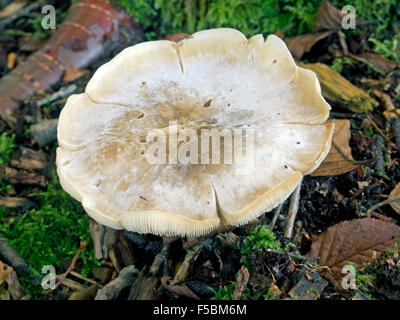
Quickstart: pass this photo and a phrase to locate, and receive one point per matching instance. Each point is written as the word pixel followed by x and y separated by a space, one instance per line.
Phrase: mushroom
pixel 216 79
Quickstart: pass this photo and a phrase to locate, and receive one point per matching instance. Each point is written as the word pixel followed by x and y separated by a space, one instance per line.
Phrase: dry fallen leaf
pixel 339 91
pixel 5 270
pixel 335 164
pixel 329 17
pixel 303 43
pixel 353 242
pixel 376 62
pixel 72 73
pixel 395 195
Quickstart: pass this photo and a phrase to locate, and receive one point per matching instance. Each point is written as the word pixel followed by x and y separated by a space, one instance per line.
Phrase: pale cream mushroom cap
pixel 215 79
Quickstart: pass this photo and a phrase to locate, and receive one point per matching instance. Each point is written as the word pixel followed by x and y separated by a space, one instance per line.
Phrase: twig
pixel 70 268
pixel 377 128
pixel 13 258
pixel 293 208
pixel 345 157
pixel 380 204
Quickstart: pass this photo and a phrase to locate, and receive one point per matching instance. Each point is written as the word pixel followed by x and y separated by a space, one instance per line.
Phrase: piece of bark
pixel 102 274
pixel 23 177
pixel 15 203
pixel 390 111
pixel 124 251
pixel 15 288
pixel 74 285
pixel 241 283
pixel 161 260
pixel 91 30
pixel 117 286
pixel 339 91
pixel 144 287
pixel 85 293
pixel 25 158
pixel 45 131
pixel 110 236
pixel 178 288
pixel 188 263
pixel 309 288
pixel 227 240
pixel 114 260
pixel 12 258
pixel 97 232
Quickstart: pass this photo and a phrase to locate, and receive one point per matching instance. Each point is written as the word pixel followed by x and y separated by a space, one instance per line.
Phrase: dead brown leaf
pixel 304 43
pixel 328 17
pixel 5 270
pixel 376 62
pixel 335 163
pixel 395 197
pixel 357 241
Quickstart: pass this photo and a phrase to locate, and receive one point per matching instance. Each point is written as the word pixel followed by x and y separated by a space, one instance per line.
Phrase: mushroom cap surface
pixel 216 80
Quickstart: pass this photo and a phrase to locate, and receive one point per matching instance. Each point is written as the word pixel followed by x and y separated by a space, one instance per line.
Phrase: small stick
pixel 79 276
pixel 377 128
pixel 380 204
pixel 70 268
pixel 13 258
pixel 293 208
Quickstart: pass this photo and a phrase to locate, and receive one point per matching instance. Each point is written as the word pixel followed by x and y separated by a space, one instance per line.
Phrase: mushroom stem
pixel 275 216
pixel 293 208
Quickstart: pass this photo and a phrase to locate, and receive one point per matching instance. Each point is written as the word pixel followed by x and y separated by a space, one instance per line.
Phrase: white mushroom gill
pixel 217 79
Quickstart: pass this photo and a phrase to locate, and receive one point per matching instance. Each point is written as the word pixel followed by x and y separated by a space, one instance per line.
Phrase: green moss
pixel 224 292
pixel 260 238
pixel 250 16
pixel 389 48
pixel 372 275
pixel 6 147
pixel 49 234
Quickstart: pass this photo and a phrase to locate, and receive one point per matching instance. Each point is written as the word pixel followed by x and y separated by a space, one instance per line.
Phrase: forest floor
pixel 343 244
